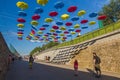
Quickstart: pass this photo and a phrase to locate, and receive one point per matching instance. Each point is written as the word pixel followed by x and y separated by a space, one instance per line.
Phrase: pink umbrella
pixel 35 17
pixel 53 14
pixel 72 9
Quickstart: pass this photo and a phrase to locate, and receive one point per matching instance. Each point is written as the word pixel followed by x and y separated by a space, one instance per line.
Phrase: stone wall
pixel 108 49
pixel 4 52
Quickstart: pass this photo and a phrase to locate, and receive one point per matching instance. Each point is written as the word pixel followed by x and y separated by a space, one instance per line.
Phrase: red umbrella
pixel 102 17
pixel 55 34
pixel 21 20
pixel 78 31
pixel 64 37
pixel 32 31
pixel 66 32
pixel 68 24
pixel 46 35
pixel 72 9
pixel 35 17
pixel 84 21
pixel 53 14
pixel 19 32
pixel 55 27
pixel 42 28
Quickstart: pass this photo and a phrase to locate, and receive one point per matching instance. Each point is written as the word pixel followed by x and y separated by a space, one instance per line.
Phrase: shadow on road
pixel 19 70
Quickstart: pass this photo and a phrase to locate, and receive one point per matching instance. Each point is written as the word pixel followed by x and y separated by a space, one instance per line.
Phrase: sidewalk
pixel 84 70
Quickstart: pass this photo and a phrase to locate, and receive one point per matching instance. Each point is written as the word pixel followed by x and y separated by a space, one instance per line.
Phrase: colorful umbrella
pixel 42 2
pixel 38 10
pixel 66 32
pixel 48 20
pixel 72 9
pixel 91 15
pixel 62 28
pixel 84 21
pixel 45 25
pixel 68 24
pixel 36 17
pixel 55 27
pixel 53 14
pixel 21 20
pixel 82 12
pixel 59 5
pixel 20 25
pixel 75 18
pixel 34 23
pixel 76 26
pixel 92 22
pixel 102 17
pixel 22 13
pixel 59 23
pixel 42 28
pixel 65 16
pixel 22 5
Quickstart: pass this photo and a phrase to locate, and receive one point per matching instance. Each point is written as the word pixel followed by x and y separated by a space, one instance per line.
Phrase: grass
pixel 107 29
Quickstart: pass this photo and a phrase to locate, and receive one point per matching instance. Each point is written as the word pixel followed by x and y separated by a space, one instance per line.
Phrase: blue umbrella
pixel 93 15
pixel 59 5
pixel 45 25
pixel 38 10
pixel 49 33
pixel 58 37
pixel 75 18
pixel 58 31
pixel 19 29
pixel 69 35
pixel 84 27
pixel 59 23
pixel 22 13
pixel 71 29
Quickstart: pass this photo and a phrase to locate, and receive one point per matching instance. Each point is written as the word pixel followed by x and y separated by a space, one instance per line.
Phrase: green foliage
pixel 112 10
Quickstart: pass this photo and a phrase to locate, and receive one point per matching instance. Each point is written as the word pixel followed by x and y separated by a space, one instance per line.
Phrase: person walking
pixel 97 62
pixel 76 67
pixel 31 60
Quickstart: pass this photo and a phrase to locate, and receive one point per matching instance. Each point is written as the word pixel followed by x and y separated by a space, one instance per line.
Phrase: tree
pixel 112 10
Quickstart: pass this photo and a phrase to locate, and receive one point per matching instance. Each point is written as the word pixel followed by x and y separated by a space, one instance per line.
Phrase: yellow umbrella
pixel 22 5
pixel 34 23
pixel 52 30
pixel 73 33
pixel 82 12
pixel 48 20
pixel 42 2
pixel 40 32
pixel 64 16
pixel 62 35
pixel 62 28
pixel 20 25
pixel 76 26
pixel 92 22
pixel 19 35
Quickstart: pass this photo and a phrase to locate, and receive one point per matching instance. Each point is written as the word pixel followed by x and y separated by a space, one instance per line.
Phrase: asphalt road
pixel 19 70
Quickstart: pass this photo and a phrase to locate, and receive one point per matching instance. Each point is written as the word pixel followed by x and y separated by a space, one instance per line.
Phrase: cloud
pixel 10 33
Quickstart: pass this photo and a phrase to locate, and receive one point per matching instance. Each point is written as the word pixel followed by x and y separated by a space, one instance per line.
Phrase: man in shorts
pixel 97 62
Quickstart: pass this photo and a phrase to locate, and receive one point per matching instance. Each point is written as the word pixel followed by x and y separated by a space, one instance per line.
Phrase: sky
pixel 9 15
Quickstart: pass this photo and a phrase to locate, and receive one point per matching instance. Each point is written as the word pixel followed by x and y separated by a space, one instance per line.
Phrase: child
pixel 76 67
